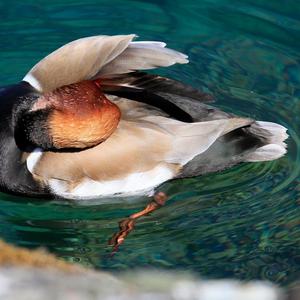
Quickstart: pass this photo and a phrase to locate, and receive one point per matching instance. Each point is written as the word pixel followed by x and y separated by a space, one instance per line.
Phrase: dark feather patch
pixel 154 83
pixel 151 89
pixel 152 99
pixel 31 130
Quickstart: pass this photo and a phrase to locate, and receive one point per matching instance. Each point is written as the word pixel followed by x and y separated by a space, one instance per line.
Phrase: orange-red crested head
pixel 73 116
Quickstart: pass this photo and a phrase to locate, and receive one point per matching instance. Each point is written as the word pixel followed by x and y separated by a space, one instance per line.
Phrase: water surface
pixel 241 223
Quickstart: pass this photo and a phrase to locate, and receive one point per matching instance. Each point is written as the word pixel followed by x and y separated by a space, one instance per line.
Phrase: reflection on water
pixel 241 223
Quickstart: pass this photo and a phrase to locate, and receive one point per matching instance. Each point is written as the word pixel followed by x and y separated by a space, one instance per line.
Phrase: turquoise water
pixel 241 223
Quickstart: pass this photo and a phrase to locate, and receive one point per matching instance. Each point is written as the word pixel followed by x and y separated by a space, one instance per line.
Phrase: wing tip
pixel 178 57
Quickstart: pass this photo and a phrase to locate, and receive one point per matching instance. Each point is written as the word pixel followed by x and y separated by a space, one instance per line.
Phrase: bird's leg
pixel 127 225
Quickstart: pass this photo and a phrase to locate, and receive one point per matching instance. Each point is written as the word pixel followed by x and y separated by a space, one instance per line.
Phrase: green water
pixel 241 223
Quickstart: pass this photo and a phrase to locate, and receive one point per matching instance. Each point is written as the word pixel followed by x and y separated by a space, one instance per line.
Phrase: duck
pixel 88 121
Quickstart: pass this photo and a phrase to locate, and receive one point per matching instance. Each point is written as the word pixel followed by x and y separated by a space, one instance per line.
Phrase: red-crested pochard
pixel 86 122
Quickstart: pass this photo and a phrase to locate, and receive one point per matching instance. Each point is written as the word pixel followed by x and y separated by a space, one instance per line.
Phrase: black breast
pixel 14 176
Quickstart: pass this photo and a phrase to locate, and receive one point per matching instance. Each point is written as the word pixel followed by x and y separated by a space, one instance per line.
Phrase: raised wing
pixel 93 57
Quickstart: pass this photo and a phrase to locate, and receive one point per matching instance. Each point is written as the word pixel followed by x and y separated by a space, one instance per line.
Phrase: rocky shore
pixel 36 275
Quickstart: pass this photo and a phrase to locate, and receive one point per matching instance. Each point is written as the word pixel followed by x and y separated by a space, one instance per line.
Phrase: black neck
pixel 14 176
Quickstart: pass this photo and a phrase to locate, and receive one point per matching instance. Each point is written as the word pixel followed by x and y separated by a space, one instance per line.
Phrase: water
pixel 241 223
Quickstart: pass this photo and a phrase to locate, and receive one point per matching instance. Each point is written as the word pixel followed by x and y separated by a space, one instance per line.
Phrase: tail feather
pixel 275 146
pixel 261 141
pixel 192 139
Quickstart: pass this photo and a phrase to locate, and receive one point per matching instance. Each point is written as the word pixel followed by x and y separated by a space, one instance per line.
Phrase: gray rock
pixel 18 283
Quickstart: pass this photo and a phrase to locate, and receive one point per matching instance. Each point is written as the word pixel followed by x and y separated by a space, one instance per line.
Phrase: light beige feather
pixel 76 61
pixel 192 139
pixel 143 56
pixel 93 57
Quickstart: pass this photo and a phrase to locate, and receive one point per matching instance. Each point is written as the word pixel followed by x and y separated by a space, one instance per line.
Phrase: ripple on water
pixel 243 222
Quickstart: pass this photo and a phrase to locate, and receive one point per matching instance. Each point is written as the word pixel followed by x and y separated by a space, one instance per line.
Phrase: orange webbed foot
pixel 128 224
